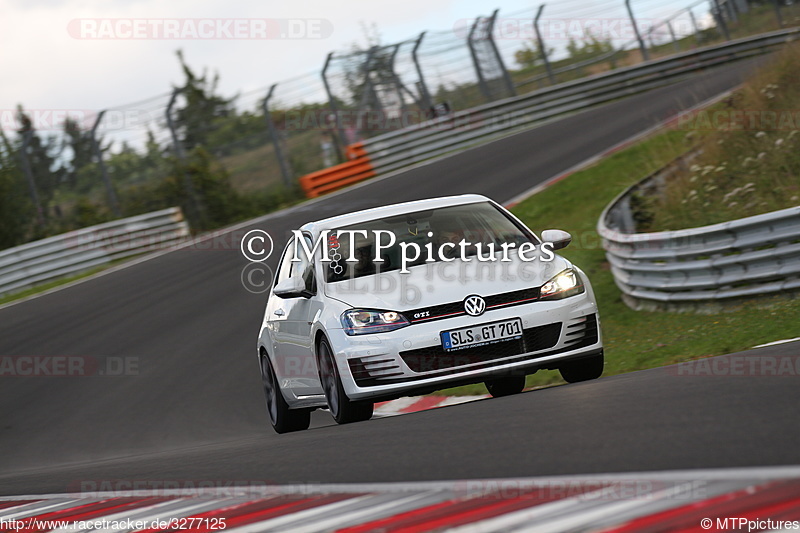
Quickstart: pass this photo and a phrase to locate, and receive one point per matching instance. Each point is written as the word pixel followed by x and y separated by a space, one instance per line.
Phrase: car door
pixel 293 318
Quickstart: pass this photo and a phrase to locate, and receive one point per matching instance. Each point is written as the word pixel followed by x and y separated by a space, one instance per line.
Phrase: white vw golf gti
pixel 406 299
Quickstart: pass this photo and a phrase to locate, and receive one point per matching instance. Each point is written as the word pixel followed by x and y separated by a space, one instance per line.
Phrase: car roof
pixel 390 210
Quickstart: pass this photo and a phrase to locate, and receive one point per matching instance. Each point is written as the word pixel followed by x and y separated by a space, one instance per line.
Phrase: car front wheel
pixel 341 407
pixel 583 369
pixel 283 419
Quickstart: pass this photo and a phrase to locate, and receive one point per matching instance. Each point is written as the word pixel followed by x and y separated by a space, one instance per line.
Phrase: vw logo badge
pixel 474 305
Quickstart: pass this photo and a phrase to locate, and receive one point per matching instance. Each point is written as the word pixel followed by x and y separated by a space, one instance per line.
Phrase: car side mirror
pixel 559 238
pixel 293 287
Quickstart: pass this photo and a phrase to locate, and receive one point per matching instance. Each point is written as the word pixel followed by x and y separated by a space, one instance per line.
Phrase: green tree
pixel 15 208
pixel 589 47
pixel 203 108
pixel 80 172
pixel 42 154
pixel 530 54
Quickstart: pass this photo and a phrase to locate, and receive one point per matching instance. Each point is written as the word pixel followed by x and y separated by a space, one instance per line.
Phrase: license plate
pixel 482 334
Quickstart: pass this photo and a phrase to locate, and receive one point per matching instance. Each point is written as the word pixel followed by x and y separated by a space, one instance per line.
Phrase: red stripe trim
pixel 450 513
pixel 256 511
pixel 512 303
pixel 90 511
pixel 738 503
pixel 424 403
pixel 16 503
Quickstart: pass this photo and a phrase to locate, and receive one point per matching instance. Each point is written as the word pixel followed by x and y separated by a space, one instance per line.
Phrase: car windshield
pixel 480 225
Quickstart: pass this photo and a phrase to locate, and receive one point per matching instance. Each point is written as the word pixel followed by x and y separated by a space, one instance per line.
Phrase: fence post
pixel 720 19
pixel 369 92
pixel 642 47
pixel 777 4
pixel 112 195
pixel 425 96
pixel 481 81
pixel 732 12
pixel 398 85
pixel 26 168
pixel 675 44
pixel 490 36
pixel 339 140
pixel 542 49
pixel 276 141
pixel 694 26
pixel 179 152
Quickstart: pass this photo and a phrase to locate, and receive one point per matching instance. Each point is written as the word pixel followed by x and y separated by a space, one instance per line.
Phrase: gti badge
pixel 474 305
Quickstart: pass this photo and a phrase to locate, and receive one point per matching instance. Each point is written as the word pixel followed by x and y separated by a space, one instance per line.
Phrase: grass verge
pixel 636 340
pixel 38 289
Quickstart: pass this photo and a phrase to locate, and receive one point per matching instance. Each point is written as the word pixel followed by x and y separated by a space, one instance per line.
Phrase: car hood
pixel 439 283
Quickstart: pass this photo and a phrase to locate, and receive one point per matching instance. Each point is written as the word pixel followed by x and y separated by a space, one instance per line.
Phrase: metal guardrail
pixel 77 251
pixel 745 257
pixel 406 147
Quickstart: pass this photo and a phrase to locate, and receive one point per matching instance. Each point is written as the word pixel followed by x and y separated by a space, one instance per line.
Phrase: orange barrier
pixel 354 151
pixel 338 176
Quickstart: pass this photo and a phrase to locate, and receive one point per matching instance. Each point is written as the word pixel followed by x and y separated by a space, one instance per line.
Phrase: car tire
pixel 342 408
pixel 583 369
pixel 283 419
pixel 505 386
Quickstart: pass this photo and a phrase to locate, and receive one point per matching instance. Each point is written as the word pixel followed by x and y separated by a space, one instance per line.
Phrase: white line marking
pixel 774 343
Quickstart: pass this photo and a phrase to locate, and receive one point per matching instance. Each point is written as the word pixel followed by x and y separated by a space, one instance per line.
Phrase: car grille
pixel 381 369
pixel 436 358
pixel 581 332
pixel 452 309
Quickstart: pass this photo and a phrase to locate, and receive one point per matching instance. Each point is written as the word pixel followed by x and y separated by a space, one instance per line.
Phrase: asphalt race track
pixel 195 411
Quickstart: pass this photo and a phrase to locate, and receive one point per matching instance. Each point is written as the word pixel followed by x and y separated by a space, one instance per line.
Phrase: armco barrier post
pixel 276 141
pixel 112 195
pixel 542 47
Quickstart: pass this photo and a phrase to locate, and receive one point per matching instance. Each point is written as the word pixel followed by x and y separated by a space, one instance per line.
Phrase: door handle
pixel 279 312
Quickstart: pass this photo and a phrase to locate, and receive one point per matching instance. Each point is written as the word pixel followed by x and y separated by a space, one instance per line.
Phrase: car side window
pixel 305 267
pixel 285 266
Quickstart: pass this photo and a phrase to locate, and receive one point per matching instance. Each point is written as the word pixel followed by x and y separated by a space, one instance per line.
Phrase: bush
pixel 742 171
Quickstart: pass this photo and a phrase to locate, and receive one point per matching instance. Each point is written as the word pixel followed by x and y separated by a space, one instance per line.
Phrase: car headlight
pixel 364 321
pixel 563 285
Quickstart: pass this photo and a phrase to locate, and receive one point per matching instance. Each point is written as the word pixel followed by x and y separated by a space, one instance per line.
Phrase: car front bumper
pixel 411 360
